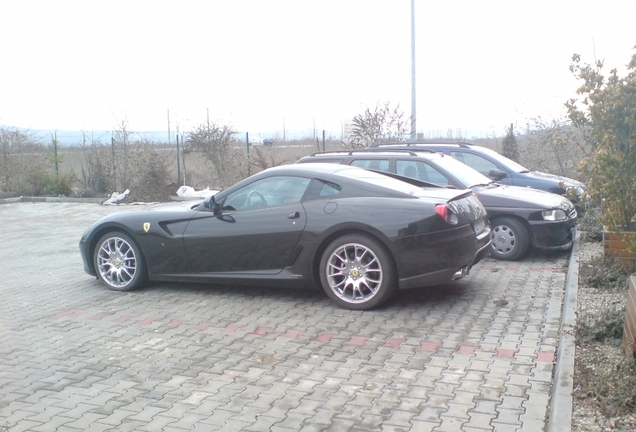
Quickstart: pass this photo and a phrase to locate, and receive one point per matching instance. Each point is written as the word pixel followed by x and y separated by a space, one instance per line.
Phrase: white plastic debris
pixel 116 197
pixel 190 192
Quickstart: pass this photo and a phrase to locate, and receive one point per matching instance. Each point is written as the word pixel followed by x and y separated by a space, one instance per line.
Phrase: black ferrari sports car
pixel 361 235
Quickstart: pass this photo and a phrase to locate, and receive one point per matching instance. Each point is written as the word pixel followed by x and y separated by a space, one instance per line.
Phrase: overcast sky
pixel 261 65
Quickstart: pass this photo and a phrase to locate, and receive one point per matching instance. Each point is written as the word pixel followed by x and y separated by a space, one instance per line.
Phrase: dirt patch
pixel 151 193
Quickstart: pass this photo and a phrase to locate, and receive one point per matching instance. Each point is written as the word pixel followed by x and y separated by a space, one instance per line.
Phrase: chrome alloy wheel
pixel 504 239
pixel 354 273
pixel 116 262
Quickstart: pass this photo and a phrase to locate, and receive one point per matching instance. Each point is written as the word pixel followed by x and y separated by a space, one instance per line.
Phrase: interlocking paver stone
pixel 75 356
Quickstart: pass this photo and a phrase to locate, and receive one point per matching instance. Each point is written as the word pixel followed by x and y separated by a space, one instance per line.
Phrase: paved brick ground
pixel 474 356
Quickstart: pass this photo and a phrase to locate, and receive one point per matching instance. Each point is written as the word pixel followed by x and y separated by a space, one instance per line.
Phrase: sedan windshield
pixel 465 174
pixel 509 163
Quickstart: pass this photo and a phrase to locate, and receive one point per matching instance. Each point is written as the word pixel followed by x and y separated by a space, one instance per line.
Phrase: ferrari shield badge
pixel 146 226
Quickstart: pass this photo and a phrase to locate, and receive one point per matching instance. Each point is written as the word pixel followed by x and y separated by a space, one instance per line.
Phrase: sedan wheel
pixel 509 239
pixel 119 262
pixel 357 273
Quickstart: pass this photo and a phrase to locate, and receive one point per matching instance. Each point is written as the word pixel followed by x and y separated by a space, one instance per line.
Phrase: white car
pixel 256 141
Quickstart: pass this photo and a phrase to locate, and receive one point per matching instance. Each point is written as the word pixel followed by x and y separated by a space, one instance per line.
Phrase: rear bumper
pixel 484 251
pixel 464 251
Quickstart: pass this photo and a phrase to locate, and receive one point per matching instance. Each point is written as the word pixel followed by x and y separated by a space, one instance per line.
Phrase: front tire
pixel 510 239
pixel 119 262
pixel 357 272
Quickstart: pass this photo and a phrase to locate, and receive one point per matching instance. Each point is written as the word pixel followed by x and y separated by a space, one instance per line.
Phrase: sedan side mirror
pixel 496 174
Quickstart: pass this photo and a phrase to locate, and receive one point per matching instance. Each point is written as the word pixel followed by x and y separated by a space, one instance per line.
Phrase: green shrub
pixel 40 183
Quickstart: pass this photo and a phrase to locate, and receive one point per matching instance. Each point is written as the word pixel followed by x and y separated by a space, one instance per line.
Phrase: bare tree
pixel 22 155
pixel 216 143
pixel 554 146
pixel 122 139
pixel 381 125
pixel 510 146
pixel 266 158
pixel 52 154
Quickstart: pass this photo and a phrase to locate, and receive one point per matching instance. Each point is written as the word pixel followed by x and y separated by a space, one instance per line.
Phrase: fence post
pixel 247 140
pixel 112 142
pixel 178 163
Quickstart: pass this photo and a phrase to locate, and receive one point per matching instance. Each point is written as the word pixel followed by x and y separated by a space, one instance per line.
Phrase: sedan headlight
pixel 553 215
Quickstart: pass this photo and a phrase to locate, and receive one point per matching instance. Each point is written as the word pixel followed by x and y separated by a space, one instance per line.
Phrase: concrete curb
pixel 78 200
pixel 560 417
pixel 52 199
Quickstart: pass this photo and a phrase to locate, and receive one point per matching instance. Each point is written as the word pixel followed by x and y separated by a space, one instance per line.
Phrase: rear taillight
pixel 446 213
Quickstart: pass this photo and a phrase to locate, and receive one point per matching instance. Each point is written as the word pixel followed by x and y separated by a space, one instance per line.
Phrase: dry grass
pixel 194 170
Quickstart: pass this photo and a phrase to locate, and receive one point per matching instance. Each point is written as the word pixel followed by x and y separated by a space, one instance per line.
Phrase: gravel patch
pixel 604 378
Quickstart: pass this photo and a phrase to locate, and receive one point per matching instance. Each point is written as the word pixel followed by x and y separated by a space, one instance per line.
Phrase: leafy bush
pixel 606 115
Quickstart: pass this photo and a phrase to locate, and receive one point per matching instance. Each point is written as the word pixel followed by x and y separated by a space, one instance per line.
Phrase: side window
pixel 329 189
pixel 408 169
pixel 421 171
pixel 374 164
pixel 268 192
pixel 476 162
pixel 322 189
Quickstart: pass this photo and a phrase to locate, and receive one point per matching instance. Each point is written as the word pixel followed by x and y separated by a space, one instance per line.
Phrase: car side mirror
pixel 210 203
pixel 496 174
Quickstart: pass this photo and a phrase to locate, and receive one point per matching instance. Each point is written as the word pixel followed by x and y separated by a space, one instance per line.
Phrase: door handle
pixel 294 215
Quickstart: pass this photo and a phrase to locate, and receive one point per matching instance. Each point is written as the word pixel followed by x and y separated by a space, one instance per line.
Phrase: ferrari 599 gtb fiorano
pixel 360 235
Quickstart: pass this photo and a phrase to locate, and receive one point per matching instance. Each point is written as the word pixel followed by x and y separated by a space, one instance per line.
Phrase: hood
pixel 158 211
pixel 568 182
pixel 520 197
pixel 174 207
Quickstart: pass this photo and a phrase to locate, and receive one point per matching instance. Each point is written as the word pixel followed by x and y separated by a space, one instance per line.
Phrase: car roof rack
pixel 372 150
pixel 415 144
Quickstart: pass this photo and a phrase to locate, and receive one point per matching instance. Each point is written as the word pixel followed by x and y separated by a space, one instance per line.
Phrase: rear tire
pixel 510 239
pixel 357 272
pixel 119 262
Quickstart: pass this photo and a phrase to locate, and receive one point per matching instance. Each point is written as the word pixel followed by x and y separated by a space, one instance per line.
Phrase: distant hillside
pixel 68 138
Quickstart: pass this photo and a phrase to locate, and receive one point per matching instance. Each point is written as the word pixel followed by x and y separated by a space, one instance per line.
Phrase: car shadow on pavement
pixel 411 298
pixel 416 297
pixel 239 292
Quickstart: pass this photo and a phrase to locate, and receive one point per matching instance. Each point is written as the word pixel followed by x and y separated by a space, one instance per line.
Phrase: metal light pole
pixel 413 101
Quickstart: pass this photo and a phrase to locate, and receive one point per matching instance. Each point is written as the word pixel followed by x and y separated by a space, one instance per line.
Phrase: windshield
pixel 380 180
pixel 509 163
pixel 465 174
